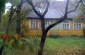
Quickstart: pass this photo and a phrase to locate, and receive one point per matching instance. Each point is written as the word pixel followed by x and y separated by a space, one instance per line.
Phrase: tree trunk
pixel 18 26
pixel 43 38
pixel 18 20
pixel 40 51
pixel 10 19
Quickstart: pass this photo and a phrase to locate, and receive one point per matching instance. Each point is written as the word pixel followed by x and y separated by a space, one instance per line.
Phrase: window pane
pixel 66 24
pixel 77 25
pixel 34 24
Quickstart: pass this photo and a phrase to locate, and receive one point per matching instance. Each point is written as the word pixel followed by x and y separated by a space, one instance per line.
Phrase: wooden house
pixel 56 10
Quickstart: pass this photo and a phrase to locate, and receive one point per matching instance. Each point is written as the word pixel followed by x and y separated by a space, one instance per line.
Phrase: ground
pixel 58 46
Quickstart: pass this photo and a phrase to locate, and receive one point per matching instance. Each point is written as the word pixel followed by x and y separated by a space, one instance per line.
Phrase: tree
pixel 14 3
pixel 45 31
pixel 17 7
pixel 10 19
pixel 21 13
pixel 2 7
pixel 19 10
pixel 82 10
pixel 18 4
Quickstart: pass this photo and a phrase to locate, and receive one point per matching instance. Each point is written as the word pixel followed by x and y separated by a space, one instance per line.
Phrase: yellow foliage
pixel 16 36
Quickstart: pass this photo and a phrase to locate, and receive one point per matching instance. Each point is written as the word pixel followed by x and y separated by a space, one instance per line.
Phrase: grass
pixel 65 42
pixel 65 46
pixel 59 46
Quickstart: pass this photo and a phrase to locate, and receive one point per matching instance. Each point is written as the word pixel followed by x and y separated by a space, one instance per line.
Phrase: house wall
pixel 60 32
pixel 69 32
pixel 33 31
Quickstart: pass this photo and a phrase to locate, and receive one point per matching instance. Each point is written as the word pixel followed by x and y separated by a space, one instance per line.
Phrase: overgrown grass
pixel 58 46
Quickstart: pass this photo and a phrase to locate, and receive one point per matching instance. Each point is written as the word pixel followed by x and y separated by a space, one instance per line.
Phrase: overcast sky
pixel 7 6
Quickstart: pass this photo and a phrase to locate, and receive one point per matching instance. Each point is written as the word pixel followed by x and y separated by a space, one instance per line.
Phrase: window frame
pixel 77 26
pixel 65 28
pixel 34 26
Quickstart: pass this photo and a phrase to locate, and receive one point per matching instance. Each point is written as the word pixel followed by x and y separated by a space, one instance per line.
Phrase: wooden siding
pixel 59 32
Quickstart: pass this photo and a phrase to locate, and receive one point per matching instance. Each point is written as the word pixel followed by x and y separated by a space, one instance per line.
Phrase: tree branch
pixel 30 3
pixel 60 20
pixel 75 7
pixel 65 16
pixel 46 10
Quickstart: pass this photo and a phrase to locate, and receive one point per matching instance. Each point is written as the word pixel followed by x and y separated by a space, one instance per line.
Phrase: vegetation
pixel 11 45
pixel 2 5
pixel 65 45
pixel 12 30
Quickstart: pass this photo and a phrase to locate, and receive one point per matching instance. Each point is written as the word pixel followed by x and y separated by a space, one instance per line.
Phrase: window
pixel 56 27
pixel 49 22
pixel 66 24
pixel 34 24
pixel 77 25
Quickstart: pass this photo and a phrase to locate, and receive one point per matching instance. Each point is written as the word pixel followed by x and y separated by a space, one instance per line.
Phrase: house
pixel 56 10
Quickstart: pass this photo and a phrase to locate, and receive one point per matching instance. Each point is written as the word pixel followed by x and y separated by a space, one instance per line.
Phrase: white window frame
pixel 77 24
pixel 35 25
pixel 65 27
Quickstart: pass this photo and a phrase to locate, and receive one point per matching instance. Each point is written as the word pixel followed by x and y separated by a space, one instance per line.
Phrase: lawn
pixel 65 46
pixel 58 46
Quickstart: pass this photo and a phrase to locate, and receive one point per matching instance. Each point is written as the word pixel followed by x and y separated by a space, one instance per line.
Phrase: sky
pixel 7 6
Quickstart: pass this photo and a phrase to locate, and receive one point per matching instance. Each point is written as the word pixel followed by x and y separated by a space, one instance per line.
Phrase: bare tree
pixel 45 31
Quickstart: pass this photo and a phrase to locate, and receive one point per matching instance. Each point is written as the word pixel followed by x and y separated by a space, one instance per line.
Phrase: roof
pixel 56 10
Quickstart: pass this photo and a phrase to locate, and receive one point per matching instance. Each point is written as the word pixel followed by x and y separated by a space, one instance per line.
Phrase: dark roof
pixel 56 10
